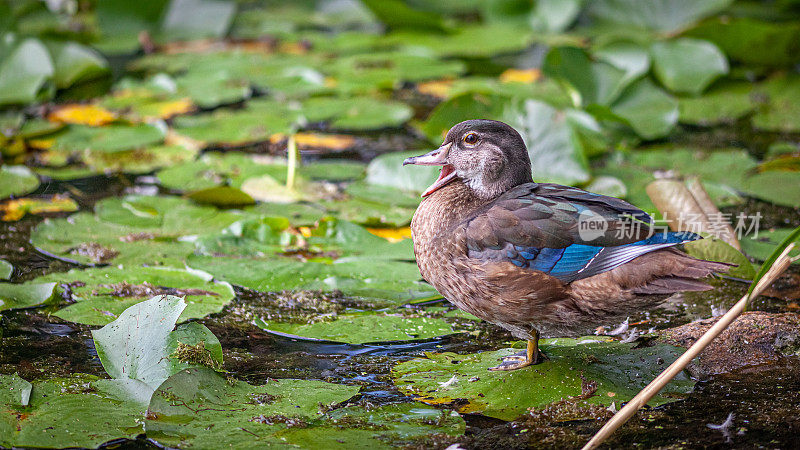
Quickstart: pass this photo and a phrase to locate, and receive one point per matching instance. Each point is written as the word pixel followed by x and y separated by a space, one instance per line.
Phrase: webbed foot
pixel 529 357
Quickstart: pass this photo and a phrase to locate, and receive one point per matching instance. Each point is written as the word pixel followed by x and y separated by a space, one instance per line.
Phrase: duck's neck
pixel 439 212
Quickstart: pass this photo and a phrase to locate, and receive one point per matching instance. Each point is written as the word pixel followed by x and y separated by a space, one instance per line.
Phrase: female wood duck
pixel 534 257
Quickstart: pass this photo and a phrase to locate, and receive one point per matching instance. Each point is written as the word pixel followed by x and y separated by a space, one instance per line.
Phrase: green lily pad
pixel 398 424
pixel 75 63
pixel 714 249
pixel 651 112
pixel 387 280
pixel 618 370
pixel 109 139
pixel 591 82
pixel 140 160
pixel 554 140
pixel 664 15
pixel 687 65
pixel 752 41
pixel 332 170
pixel 6 269
pixel 24 72
pixel 101 295
pixel 459 108
pixel 724 103
pixel 196 19
pixel 65 412
pixel 356 113
pixel 17 180
pixel 363 328
pixel 388 170
pixel 298 213
pixel 762 245
pixel 367 72
pixel 469 41
pixel 139 350
pixel 13 296
pixel 197 406
pixel 217 169
pixel 131 230
pixel 373 213
pixel 225 196
pixel 231 128
pixel 782 109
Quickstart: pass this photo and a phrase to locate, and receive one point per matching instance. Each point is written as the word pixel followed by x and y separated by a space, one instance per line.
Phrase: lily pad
pixel 618 370
pixel 232 128
pixel 363 328
pixel 131 230
pixel 388 170
pixel 13 296
pixel 782 108
pixel 139 350
pixel 752 41
pixel 651 112
pixel 662 15
pixel 102 295
pixel 6 269
pixel 217 169
pixel 109 138
pixel 714 249
pixel 687 65
pixel 356 113
pixel 762 245
pixel 724 103
pixel 197 406
pixel 16 180
pixel 24 72
pixel 589 82
pixel 398 424
pixel 65 412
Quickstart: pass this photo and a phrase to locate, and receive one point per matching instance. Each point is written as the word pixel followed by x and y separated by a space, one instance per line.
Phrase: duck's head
pixel 488 156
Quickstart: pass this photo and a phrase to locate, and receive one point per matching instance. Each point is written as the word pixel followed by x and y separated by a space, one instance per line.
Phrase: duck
pixel 538 258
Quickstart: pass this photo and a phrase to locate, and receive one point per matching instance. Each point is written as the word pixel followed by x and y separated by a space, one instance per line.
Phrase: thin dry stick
pixel 676 367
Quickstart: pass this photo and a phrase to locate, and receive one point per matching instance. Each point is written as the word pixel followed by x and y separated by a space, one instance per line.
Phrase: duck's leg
pixel 528 357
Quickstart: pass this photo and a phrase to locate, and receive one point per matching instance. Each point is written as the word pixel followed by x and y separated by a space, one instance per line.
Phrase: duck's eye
pixel 471 138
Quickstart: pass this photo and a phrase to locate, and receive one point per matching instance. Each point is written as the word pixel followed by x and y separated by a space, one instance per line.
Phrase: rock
pixel 754 338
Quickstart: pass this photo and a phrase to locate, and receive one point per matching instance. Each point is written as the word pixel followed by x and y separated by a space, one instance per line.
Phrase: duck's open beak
pixel 437 157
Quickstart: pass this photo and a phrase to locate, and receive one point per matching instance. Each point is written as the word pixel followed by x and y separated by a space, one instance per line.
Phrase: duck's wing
pixel 563 231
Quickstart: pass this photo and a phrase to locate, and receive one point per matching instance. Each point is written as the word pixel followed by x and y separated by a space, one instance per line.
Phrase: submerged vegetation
pixel 204 219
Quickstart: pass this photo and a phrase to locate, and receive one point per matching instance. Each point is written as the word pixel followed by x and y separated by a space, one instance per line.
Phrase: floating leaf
pixel 398 424
pixel 470 41
pixel 6 269
pixel 110 138
pixel 651 112
pixel 618 370
pixel 356 113
pixel 752 41
pixel 724 103
pixel 714 249
pixel 24 72
pixel 360 329
pixel 591 82
pixel 82 114
pixel 131 231
pixel 687 65
pixel 75 63
pixel 16 180
pixel 782 109
pixel 231 128
pixel 365 277
pixel 760 246
pixel 388 170
pixel 459 108
pixel 198 406
pixel 657 15
pixel 16 209
pixel 222 196
pixel 195 19
pixel 13 296
pixel 102 295
pixel 65 412
pixel 139 350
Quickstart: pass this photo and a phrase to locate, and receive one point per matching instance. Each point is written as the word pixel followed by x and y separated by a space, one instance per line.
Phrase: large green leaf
pixel 714 249
pixel 367 72
pixel 657 15
pixel 651 112
pixel 75 63
pixel 139 350
pixel 543 16
pixel 356 113
pixel 384 427
pixel 13 296
pixel 761 246
pixel 459 108
pixel 231 128
pixel 752 41
pixel 782 108
pixel 388 170
pixel 102 295
pixel 6 269
pixel 554 140
pixel 194 19
pixel 16 180
pixel 687 65
pixel 65 412
pixel 468 41
pixel 363 328
pixel 726 102
pixel 589 82
pixel 397 14
pixel 131 230
pixel 365 277
pixel 198 406
pixel 24 72
pixel 109 138
pixel 618 370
